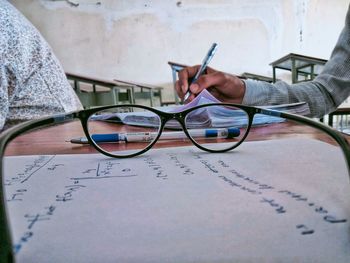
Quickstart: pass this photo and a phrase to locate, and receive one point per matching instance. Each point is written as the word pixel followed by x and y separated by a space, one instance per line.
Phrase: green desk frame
pixel 107 92
pixel 337 112
pixel 102 92
pixel 303 68
pixel 247 75
pixel 175 68
pixel 143 91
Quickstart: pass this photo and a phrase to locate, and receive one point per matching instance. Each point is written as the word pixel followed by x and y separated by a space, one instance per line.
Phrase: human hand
pixel 225 87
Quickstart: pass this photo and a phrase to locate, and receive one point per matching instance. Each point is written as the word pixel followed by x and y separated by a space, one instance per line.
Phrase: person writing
pixel 323 94
pixel 32 81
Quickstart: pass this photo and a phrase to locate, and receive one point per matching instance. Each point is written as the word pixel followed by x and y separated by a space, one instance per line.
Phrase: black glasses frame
pixel 164 118
pixel 6 250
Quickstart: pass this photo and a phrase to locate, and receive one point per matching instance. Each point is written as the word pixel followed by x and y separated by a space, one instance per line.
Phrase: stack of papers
pixel 211 117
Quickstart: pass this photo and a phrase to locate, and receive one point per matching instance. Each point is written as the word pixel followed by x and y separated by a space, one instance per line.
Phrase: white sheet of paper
pixel 268 201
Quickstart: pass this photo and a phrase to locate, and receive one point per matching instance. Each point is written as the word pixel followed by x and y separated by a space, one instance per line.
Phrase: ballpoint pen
pixel 149 136
pixel 202 68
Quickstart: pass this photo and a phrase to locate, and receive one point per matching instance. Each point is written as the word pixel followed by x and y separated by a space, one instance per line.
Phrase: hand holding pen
pixel 224 86
pixel 202 68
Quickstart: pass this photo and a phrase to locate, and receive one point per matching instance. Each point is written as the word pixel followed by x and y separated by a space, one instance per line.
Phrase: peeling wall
pixel 134 39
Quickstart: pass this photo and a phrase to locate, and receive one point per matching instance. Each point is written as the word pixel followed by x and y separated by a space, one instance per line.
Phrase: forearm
pixel 324 94
pixel 318 98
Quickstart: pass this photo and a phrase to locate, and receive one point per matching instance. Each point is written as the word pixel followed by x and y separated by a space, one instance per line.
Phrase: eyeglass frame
pixel 6 249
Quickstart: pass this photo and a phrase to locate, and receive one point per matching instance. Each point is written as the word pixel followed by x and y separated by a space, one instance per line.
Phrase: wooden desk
pixel 337 112
pixel 97 92
pixel 55 140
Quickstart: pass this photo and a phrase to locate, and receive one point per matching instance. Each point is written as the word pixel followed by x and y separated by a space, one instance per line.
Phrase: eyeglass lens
pixel 123 130
pixel 217 128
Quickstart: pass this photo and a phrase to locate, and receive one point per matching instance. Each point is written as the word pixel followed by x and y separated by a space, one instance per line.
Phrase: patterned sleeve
pixel 4 104
pixel 324 94
pixel 32 81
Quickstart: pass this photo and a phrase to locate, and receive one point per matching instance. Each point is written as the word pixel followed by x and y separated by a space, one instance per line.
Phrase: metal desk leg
pixel 274 74
pixel 160 97
pixel 132 96
pixel 294 72
pixel 115 94
pixel 151 97
pixel 174 82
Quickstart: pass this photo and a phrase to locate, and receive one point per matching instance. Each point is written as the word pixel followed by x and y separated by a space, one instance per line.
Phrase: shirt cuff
pixel 253 92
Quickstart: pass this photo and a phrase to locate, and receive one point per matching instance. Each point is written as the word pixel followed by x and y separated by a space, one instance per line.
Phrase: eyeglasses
pixel 129 130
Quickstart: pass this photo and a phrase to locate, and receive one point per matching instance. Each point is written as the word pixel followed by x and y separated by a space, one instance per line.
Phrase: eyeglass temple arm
pixel 343 143
pixel 6 249
pixel 6 253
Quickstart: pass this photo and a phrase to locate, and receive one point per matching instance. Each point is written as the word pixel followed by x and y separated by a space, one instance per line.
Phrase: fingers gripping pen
pixel 202 68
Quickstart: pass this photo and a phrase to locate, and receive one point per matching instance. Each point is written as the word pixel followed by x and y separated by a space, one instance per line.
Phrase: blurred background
pixel 134 39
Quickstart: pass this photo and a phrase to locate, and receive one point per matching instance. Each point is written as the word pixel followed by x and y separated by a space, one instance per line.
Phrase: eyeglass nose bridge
pixel 178 116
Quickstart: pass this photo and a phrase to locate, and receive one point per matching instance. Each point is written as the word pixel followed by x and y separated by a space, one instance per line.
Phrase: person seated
pixel 323 94
pixel 32 81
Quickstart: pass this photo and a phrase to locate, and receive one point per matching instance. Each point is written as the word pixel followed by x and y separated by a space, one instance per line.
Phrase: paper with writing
pixel 268 201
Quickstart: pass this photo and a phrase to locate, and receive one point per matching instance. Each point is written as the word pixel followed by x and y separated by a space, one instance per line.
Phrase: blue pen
pixel 149 136
pixel 203 67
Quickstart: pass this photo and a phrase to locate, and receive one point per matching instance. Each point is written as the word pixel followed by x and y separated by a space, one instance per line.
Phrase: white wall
pixel 134 39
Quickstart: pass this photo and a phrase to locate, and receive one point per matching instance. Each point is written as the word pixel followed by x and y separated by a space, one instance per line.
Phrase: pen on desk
pixel 202 68
pixel 149 136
